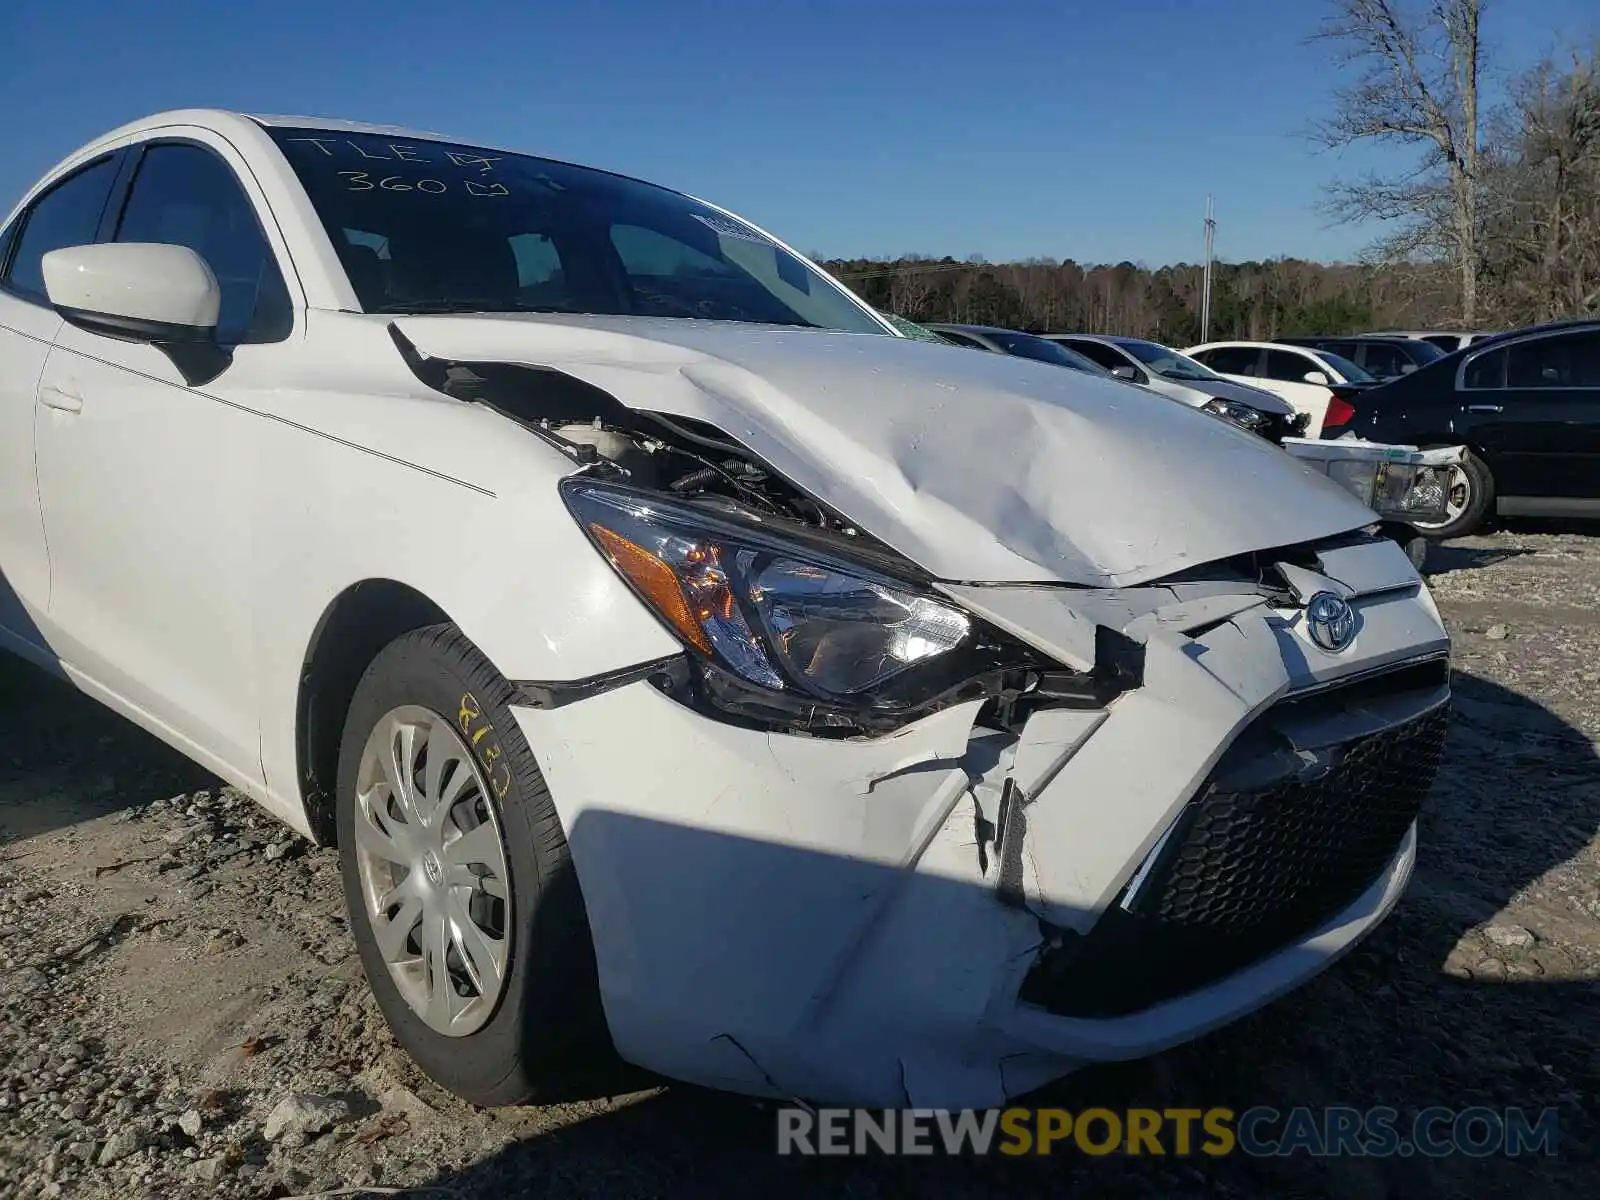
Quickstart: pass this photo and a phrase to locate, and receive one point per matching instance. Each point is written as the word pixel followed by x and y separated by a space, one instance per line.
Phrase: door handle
pixel 60 398
pixel 1486 408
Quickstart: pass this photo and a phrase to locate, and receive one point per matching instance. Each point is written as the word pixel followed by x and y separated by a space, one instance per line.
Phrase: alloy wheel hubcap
pixel 1458 492
pixel 432 866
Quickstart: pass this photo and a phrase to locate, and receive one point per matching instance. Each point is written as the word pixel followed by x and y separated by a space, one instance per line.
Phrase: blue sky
pixel 849 127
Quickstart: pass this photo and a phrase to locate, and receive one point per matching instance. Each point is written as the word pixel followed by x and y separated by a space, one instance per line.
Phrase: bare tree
pixel 1419 64
pixel 1542 229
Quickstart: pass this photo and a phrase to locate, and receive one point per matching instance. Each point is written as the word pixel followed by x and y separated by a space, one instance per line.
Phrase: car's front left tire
pixel 460 886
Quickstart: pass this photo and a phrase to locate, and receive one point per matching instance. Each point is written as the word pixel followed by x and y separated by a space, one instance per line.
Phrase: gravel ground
pixel 181 1010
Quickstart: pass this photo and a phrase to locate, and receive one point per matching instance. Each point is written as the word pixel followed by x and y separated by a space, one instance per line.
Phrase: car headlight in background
pixel 1240 414
pixel 777 614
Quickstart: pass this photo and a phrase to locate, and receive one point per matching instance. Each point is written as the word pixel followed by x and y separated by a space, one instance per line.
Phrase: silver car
pixel 1179 377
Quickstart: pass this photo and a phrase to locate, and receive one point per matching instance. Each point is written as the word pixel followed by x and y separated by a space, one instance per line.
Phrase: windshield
pixel 1341 364
pixel 1025 345
pixel 1164 362
pixel 429 226
pixel 1427 351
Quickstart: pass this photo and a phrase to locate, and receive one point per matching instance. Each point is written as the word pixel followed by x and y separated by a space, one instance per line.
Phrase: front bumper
pixel 861 921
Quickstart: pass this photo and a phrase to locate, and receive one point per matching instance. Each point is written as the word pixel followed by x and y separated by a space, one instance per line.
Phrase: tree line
pixel 1494 224
pixel 1256 300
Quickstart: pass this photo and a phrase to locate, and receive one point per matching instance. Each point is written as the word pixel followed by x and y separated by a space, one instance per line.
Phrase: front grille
pixel 1284 857
pixel 1262 856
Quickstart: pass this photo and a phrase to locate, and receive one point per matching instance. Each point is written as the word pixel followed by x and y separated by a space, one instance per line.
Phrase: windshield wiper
pixel 423 307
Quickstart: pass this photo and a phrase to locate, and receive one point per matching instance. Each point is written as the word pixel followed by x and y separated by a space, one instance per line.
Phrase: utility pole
pixel 1205 285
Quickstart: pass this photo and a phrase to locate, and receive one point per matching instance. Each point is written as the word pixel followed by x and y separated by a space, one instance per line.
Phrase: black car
pixel 1382 356
pixel 1527 407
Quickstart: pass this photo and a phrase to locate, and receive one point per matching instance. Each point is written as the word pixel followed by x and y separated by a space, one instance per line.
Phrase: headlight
pixel 778 614
pixel 1240 414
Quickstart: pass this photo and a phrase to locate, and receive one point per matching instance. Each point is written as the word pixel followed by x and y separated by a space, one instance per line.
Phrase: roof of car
pixel 1347 337
pixel 1426 333
pixel 1253 343
pixel 1547 327
pixel 221 119
pixel 951 325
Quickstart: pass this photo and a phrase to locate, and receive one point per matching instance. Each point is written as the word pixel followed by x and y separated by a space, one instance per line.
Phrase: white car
pixel 690 671
pixel 1319 383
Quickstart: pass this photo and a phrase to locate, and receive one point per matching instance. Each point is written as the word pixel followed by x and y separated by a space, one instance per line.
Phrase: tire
pixel 1478 483
pixel 1408 539
pixel 543 1036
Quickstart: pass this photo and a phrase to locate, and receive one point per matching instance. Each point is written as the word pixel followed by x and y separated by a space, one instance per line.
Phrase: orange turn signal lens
pixel 656 581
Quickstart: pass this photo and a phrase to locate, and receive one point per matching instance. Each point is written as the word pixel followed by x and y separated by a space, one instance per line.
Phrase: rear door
pixel 1533 407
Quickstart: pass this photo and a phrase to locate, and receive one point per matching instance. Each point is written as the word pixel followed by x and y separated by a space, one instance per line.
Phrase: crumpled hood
pixel 980 467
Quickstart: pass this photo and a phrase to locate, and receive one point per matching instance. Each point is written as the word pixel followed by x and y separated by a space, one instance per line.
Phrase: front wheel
pixel 1468 500
pixel 1410 540
pixel 462 896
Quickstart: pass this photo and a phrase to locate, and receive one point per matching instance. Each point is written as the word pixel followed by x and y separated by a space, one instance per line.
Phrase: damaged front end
pixel 792 618
pixel 881 837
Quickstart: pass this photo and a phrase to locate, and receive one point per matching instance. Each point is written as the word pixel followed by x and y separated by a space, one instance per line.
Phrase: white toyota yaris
pixel 691 671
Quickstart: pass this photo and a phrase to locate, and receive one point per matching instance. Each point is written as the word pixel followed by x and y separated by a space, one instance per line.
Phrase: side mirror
pixel 1407 368
pixel 142 292
pixel 136 291
pixel 1317 377
pixel 1125 372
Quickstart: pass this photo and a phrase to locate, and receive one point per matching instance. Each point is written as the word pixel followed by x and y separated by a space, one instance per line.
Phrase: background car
pixel 1319 383
pixel 1012 341
pixel 1180 378
pixel 910 329
pixel 1448 340
pixel 1527 407
pixel 1381 356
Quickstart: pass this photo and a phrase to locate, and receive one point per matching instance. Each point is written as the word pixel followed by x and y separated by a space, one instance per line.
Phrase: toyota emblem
pixel 1332 622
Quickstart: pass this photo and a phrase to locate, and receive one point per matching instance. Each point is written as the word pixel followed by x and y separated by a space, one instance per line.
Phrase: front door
pixel 148 483
pixel 67 214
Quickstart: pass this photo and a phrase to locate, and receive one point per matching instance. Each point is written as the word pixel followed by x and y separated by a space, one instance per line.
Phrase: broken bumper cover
pixel 899 920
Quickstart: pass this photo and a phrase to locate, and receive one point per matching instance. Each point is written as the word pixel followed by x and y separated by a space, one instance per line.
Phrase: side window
pixel 186 196
pixel 67 215
pixel 1233 360
pixel 1555 362
pixel 1101 353
pixel 1289 366
pixel 1486 371
pixel 1343 349
pixel 1385 361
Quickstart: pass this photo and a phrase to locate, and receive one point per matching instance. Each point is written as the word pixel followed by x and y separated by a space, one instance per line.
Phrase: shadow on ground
pixel 1426 1012
pixel 1453 556
pixel 65 758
